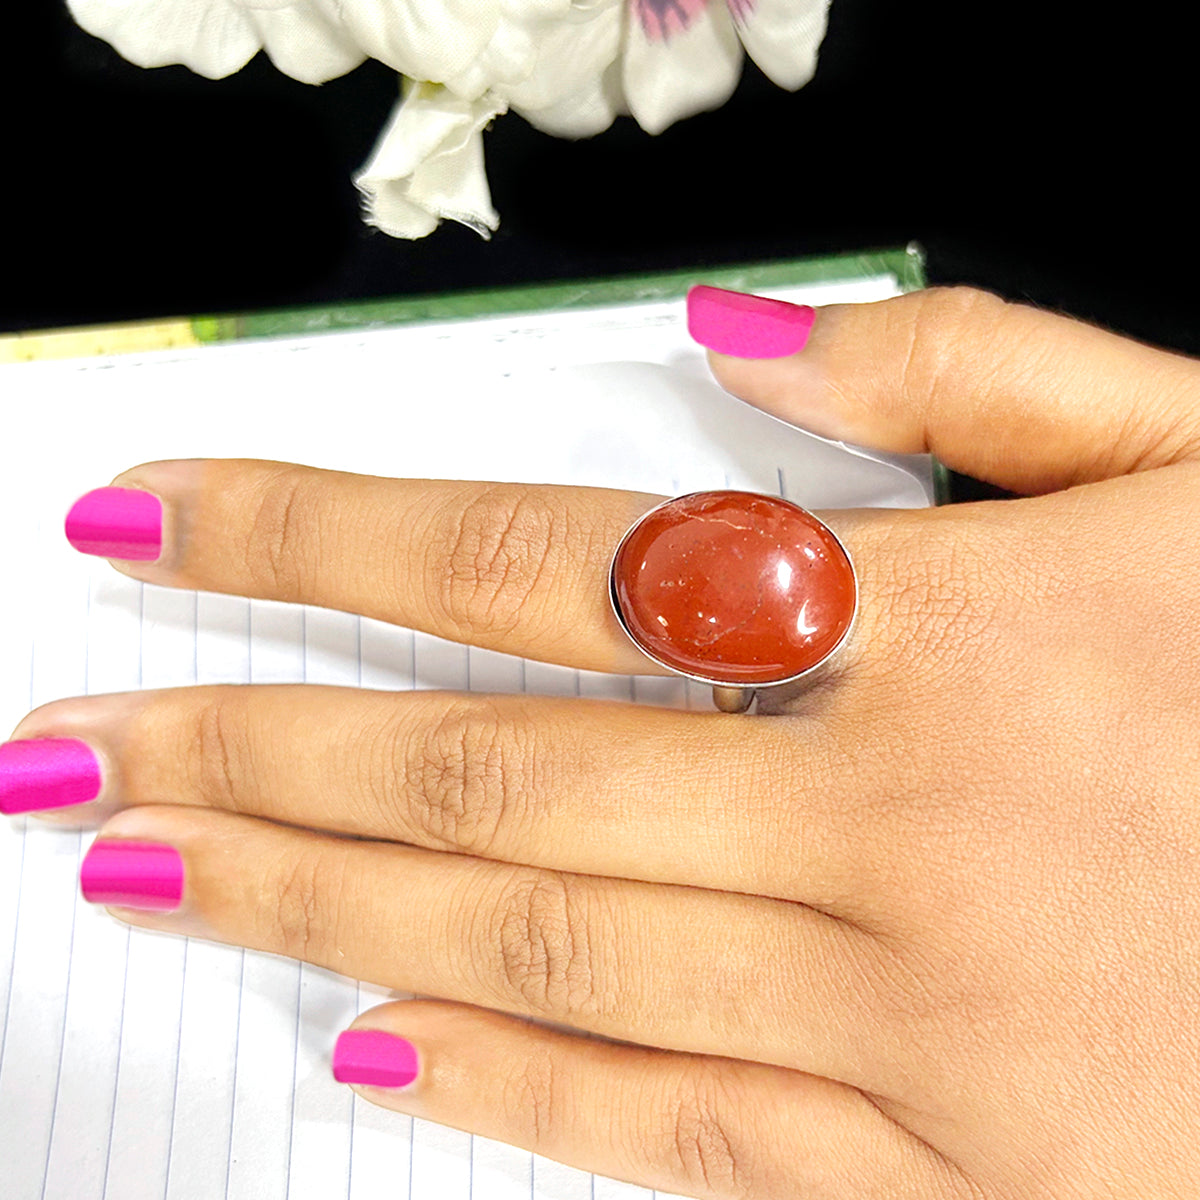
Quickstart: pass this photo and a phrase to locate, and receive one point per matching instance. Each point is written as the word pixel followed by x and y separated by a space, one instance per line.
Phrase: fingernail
pixel 128 874
pixel 40 773
pixel 116 522
pixel 747 326
pixel 374 1057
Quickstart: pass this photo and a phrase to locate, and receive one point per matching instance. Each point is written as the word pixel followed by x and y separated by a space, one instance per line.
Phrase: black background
pixel 1043 152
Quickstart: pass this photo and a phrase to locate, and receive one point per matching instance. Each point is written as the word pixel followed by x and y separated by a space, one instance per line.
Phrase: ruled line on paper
pixel 178 1054
pixel 22 824
pixel 63 1041
pixel 112 1125
pixel 187 943
pixel 21 828
pixel 66 1001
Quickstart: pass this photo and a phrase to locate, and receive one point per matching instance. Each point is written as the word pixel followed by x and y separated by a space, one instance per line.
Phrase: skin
pixel 931 933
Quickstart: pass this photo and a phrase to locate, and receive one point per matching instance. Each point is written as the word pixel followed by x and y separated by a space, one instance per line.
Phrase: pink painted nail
pixel 128 874
pixel 41 773
pixel 374 1057
pixel 117 522
pixel 747 326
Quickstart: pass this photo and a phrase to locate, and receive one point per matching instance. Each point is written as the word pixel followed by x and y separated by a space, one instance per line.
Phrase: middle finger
pixel 521 569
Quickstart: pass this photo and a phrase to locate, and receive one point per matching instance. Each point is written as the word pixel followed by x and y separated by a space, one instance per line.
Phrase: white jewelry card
pixel 136 1065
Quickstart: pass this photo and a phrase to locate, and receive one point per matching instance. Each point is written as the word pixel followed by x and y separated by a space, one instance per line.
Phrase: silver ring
pixel 745 592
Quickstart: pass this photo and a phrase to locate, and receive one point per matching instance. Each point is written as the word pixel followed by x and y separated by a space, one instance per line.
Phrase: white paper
pixel 137 1065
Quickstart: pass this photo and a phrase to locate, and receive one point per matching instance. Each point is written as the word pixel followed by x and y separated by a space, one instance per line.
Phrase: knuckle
pixel 281 528
pixel 501 546
pixel 944 325
pixel 543 946
pixel 307 898
pixel 530 1102
pixel 941 606
pixel 224 755
pixel 699 1143
pixel 466 776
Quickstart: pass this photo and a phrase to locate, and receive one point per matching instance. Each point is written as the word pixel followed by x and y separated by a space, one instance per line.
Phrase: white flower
pixel 215 38
pixel 428 165
pixel 568 66
pixel 685 56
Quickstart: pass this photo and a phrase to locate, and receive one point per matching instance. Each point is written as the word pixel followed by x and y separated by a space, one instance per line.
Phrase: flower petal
pixel 308 44
pixel 420 39
pixel 215 38
pixel 782 36
pixel 428 165
pixel 663 19
pixel 574 88
pixel 684 71
pixel 212 37
pixel 585 112
pixel 544 51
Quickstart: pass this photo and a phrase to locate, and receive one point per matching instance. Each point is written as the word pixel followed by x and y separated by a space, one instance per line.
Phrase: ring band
pixel 738 590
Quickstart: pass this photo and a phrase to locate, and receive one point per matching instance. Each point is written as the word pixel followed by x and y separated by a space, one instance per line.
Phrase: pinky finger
pixel 689 1124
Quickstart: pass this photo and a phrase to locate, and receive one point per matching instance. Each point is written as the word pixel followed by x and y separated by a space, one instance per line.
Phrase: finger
pixel 589 787
pixel 620 958
pixel 508 567
pixel 1026 399
pixel 691 1124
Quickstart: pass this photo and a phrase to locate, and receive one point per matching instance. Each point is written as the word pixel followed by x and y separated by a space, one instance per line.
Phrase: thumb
pixel 1025 399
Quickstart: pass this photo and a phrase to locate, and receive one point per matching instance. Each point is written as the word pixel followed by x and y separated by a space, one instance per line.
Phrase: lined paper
pixel 140 1065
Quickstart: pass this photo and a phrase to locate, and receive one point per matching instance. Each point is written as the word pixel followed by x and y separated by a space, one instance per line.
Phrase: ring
pixel 737 590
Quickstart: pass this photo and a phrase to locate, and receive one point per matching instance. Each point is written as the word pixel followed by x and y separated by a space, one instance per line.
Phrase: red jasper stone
pixel 734 587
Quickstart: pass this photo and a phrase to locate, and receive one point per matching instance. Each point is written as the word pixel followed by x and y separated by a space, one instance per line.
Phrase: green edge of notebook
pixel 906 264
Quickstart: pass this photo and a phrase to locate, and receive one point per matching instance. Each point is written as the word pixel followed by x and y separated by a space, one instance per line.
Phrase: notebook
pixel 136 1065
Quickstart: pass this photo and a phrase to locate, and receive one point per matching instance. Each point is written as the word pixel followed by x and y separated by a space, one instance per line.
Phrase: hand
pixel 932 934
